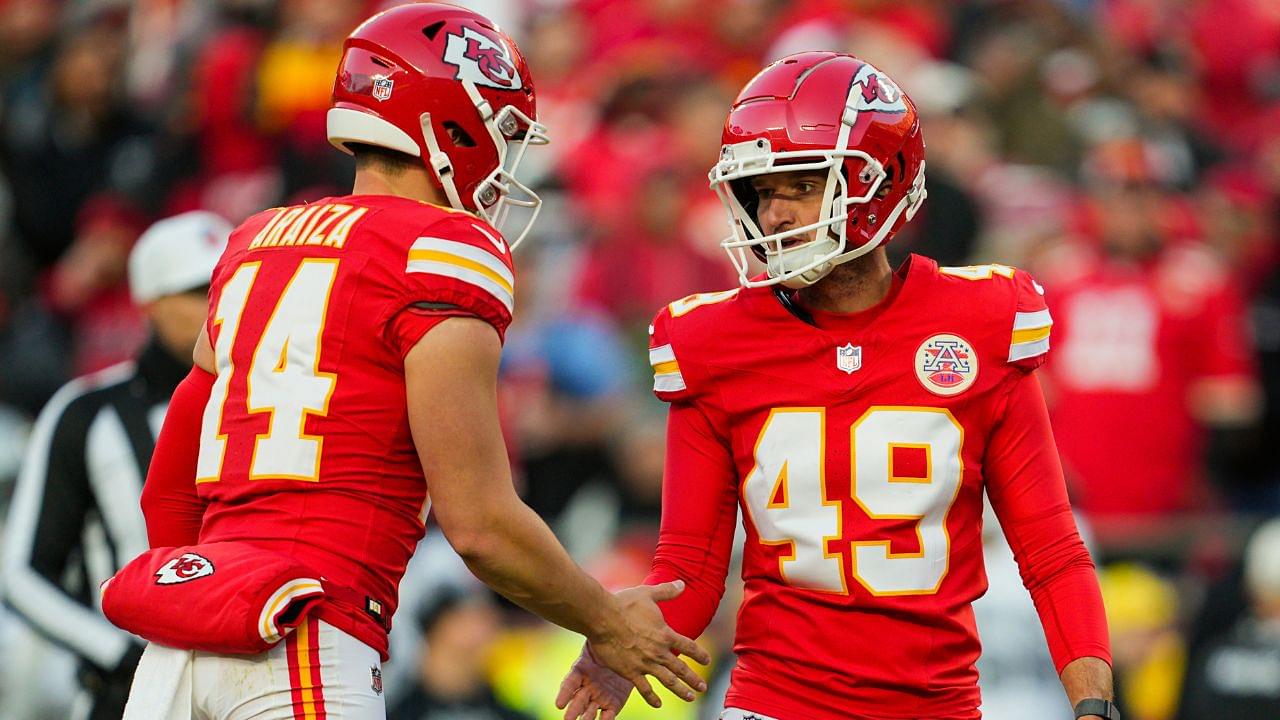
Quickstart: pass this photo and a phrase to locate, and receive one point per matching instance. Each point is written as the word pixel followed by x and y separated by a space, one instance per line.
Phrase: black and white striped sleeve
pixel 45 549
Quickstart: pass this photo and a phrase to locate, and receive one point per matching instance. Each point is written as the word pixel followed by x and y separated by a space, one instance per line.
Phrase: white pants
pixel 317 672
pixel 736 714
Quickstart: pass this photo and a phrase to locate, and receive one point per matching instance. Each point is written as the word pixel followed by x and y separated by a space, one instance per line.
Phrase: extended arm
pixel 172 508
pixel 699 514
pixel 451 379
pixel 1028 493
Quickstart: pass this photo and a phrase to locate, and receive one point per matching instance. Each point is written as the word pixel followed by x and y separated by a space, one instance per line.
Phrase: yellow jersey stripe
pixel 1031 334
pixel 448 258
pixel 304 672
pixel 281 597
pixel 482 255
pixel 670 366
pixel 1023 351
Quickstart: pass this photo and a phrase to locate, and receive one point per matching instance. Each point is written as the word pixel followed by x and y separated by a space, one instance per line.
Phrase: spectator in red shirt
pixel 1152 362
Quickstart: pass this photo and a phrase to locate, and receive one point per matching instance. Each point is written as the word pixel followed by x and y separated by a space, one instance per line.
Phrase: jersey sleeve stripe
pixel 666 368
pixel 469 252
pixel 1029 320
pixel 448 259
pixel 666 371
pixel 280 600
pixel 1022 351
pixel 483 281
pixel 1031 334
pixel 668 382
pixel 661 354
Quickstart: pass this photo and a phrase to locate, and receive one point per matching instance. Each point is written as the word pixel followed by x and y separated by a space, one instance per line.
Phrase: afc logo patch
pixel 187 567
pixel 849 358
pixel 382 86
pixel 482 60
pixel 946 365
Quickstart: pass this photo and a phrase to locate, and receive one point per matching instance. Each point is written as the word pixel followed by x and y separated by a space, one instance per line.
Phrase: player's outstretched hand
pixel 591 690
pixel 642 644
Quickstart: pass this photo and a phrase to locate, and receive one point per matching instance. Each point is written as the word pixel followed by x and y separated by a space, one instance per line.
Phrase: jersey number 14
pixel 283 378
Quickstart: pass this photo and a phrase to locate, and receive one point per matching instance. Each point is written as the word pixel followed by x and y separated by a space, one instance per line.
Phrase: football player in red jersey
pixel 856 415
pixel 352 345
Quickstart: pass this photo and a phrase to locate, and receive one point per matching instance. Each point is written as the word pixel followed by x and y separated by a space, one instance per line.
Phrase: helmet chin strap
pixel 439 163
pixel 910 203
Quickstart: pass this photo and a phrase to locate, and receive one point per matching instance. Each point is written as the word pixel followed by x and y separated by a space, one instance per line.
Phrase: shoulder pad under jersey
pixel 1019 308
pixel 670 338
pixel 461 260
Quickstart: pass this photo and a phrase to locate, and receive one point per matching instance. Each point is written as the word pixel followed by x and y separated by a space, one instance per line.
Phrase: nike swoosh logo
pixel 497 241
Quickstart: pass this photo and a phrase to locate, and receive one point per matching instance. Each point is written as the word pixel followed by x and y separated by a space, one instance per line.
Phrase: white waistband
pixel 736 714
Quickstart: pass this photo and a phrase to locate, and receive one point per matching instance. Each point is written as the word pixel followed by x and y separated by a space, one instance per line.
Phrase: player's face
pixel 177 320
pixel 789 200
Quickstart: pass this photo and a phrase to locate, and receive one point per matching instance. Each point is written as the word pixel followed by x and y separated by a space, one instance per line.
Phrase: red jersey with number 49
pixel 858 447
pixel 305 444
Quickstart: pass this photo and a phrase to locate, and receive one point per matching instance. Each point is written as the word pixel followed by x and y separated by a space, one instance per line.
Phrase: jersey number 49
pixel 786 496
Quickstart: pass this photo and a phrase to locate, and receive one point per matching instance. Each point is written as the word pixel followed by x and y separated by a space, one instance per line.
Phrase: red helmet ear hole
pixel 432 30
pixel 459 136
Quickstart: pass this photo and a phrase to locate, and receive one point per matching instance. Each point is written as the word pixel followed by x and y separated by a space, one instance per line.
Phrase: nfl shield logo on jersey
pixel 849 357
pixel 946 365
pixel 186 568
pixel 382 87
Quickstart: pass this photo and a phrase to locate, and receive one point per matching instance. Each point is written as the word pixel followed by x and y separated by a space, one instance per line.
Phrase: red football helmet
pixel 820 111
pixel 442 83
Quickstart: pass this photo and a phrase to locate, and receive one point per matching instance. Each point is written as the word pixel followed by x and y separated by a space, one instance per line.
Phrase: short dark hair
pixel 384 160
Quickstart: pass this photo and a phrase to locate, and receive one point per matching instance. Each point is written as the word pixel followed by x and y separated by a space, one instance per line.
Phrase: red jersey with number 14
pixel 305 444
pixel 858 448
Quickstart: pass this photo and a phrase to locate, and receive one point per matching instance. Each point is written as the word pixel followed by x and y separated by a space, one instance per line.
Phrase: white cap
pixel 1262 560
pixel 176 254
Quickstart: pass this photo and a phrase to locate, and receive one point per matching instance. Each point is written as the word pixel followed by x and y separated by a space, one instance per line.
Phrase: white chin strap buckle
pixel 440 163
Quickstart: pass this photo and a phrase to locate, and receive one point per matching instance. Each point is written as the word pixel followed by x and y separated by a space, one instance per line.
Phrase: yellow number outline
pixel 853 493
pixel 790 543
pixel 332 377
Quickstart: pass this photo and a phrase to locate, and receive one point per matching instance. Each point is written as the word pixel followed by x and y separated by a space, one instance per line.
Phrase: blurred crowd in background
pixel 1127 152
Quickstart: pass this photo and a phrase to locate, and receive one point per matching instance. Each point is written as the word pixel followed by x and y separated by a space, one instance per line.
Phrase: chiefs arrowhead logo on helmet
pixel 187 567
pixel 879 93
pixel 482 60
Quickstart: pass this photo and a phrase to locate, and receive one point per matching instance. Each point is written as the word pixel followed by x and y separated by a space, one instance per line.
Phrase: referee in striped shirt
pixel 75 518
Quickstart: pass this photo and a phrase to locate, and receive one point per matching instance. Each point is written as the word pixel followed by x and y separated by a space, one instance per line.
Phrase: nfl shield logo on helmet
pixel 946 365
pixel 382 87
pixel 849 357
